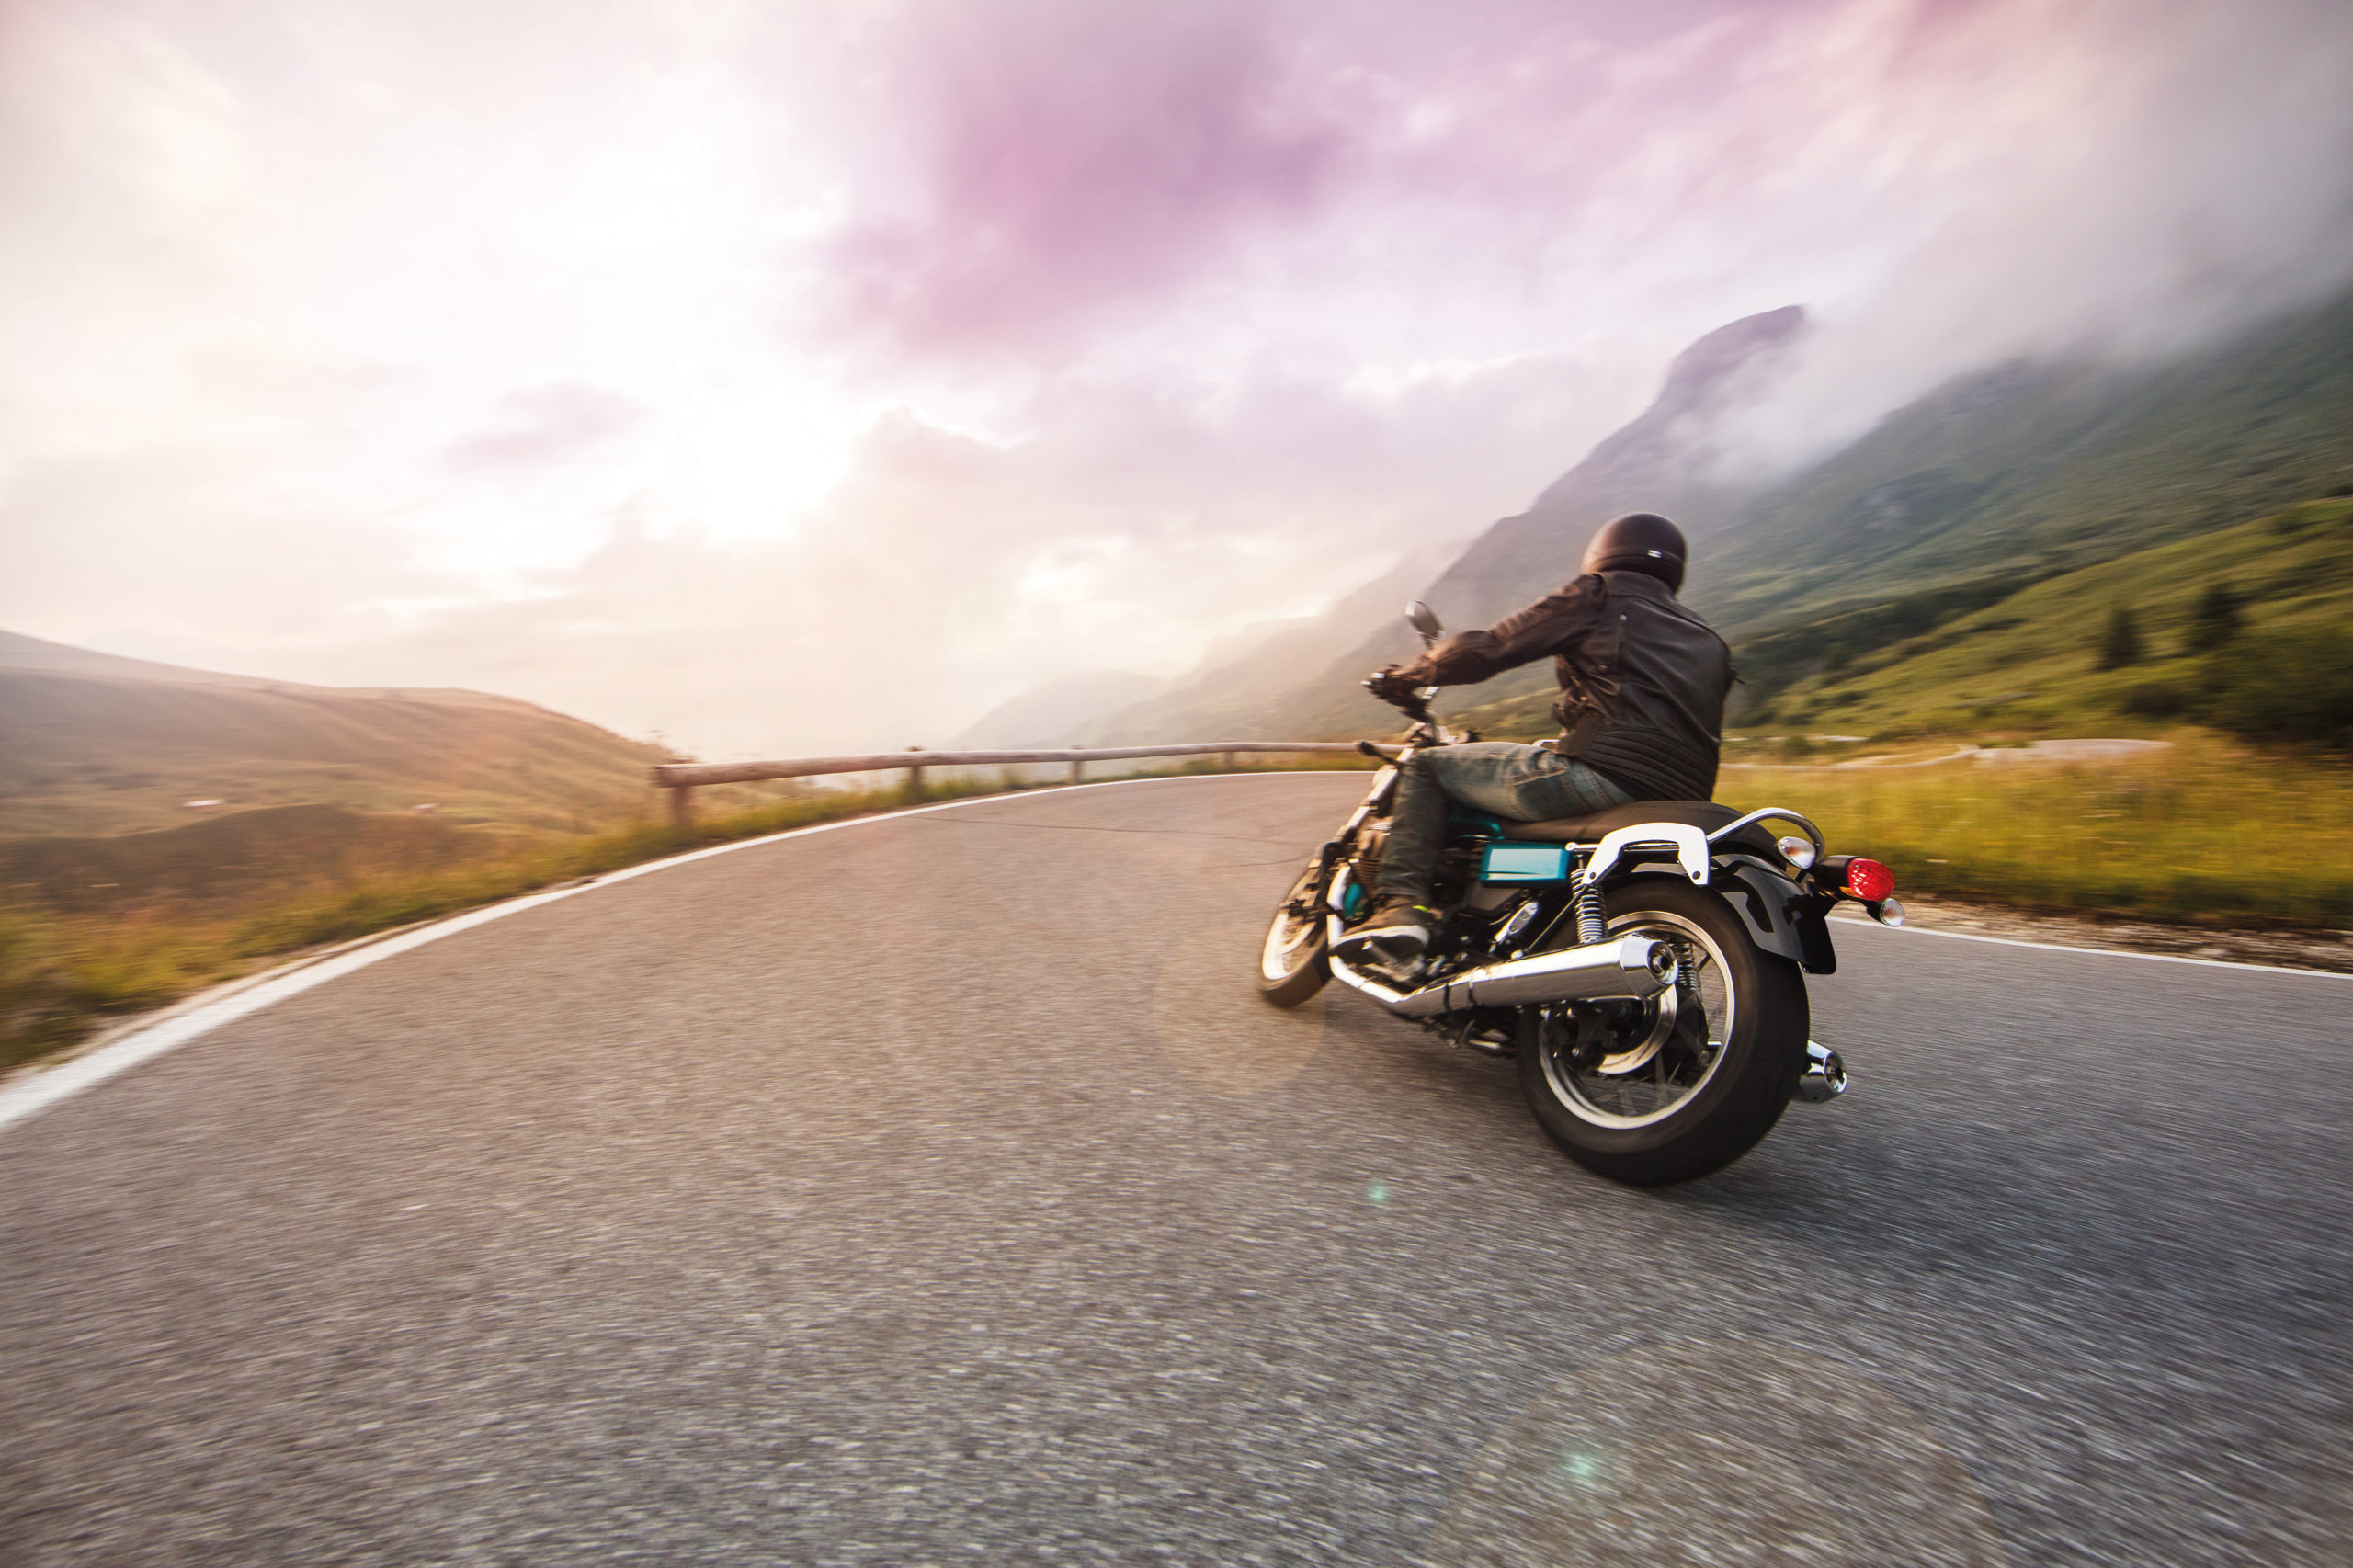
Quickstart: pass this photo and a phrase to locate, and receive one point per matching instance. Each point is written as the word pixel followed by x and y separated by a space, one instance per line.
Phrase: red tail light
pixel 1868 880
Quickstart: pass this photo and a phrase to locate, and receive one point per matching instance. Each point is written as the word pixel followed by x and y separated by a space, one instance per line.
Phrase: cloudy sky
pixel 795 377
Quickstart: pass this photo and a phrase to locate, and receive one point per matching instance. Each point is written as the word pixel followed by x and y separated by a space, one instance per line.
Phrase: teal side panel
pixel 1508 862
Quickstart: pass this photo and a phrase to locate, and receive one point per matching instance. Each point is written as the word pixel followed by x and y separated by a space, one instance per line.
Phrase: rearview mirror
pixel 1425 620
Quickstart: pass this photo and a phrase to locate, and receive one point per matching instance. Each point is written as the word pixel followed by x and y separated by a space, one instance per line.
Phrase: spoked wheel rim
pixel 1296 933
pixel 1635 1064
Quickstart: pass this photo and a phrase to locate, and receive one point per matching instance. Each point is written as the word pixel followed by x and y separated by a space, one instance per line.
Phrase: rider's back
pixel 1653 679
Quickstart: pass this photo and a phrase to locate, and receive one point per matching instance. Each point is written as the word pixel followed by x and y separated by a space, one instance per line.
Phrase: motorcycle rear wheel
pixel 1293 962
pixel 1683 1085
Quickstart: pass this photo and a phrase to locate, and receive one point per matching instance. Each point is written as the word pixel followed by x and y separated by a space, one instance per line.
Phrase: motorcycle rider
pixel 1642 685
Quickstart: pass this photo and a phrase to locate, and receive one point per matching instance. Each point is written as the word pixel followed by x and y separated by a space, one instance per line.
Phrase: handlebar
pixel 1415 705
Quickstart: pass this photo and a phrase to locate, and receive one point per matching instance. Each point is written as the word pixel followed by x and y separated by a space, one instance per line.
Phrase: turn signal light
pixel 1868 880
pixel 1798 852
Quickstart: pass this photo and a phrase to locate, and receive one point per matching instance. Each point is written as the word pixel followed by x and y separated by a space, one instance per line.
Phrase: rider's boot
pixel 1396 932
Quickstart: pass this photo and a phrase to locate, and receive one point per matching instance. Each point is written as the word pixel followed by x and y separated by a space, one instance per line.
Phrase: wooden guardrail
pixel 682 778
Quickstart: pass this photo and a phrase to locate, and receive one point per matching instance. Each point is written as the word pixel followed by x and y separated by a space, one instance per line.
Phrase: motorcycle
pixel 1644 967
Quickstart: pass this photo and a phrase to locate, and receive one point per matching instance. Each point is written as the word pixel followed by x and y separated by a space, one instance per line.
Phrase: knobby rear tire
pixel 1753 1079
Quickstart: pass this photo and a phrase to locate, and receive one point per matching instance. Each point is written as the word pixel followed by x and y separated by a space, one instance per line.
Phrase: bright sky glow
pixel 813 375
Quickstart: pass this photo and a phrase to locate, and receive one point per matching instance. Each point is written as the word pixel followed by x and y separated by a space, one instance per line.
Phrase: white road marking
pixel 2094 952
pixel 36 1091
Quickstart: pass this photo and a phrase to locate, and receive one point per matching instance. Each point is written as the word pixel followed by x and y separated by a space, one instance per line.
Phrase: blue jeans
pixel 1515 782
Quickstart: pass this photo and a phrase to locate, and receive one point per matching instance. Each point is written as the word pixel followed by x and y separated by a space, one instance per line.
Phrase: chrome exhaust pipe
pixel 1824 1077
pixel 1629 969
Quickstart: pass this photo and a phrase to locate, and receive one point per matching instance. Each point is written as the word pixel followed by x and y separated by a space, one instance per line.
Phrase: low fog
pixel 800 379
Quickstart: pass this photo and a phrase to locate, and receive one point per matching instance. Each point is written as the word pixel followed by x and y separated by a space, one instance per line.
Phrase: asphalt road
pixel 937 1190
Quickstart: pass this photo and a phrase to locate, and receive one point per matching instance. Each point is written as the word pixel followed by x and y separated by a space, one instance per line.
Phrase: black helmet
pixel 1639 541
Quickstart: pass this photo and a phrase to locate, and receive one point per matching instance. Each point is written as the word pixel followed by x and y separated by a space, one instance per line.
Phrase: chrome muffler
pixel 1627 968
pixel 1824 1077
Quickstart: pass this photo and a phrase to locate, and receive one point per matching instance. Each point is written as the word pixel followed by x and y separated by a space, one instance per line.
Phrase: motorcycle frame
pixel 1783 914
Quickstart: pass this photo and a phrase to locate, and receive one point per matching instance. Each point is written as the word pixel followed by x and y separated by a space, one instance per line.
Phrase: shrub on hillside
pixel 2296 686
pixel 2120 644
pixel 2154 699
pixel 2216 620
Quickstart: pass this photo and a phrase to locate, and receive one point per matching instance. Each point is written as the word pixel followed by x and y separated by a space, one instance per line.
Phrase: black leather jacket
pixel 1642 679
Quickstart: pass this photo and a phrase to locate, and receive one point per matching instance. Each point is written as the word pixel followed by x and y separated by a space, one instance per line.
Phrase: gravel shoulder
pixel 2328 950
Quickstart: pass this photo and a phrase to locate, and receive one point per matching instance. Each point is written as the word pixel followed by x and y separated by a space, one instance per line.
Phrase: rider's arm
pixel 1541 629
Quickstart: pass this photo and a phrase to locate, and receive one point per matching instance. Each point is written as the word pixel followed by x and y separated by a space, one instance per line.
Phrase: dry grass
pixel 2205 832
pixel 62 976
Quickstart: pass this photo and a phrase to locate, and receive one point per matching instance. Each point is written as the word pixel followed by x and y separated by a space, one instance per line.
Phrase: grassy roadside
pixel 2206 832
pixel 65 976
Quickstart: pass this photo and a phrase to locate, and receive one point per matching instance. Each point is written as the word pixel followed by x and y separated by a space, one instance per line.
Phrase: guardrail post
pixel 682 807
pixel 1077 772
pixel 1226 759
pixel 915 778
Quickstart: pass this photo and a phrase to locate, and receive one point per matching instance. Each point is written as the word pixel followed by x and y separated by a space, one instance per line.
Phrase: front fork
pixel 1376 801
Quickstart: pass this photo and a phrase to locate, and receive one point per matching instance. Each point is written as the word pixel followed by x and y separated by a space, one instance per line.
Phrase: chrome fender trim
pixel 1690 846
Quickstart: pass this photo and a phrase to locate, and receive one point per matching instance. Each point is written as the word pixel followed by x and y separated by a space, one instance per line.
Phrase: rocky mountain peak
pixel 1656 451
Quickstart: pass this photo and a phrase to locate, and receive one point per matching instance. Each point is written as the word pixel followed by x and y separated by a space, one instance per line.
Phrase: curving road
pixel 936 1191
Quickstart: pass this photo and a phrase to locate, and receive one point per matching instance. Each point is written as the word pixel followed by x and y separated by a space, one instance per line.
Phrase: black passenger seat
pixel 1705 815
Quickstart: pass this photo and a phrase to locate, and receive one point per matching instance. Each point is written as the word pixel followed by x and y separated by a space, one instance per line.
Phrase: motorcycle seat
pixel 1705 815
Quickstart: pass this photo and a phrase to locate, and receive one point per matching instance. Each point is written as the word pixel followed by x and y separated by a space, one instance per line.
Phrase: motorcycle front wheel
pixel 1292 964
pixel 1684 1084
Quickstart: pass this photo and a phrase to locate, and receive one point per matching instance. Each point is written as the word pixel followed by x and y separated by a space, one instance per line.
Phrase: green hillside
pixel 2026 656
pixel 2037 660
pixel 2036 469
pixel 1994 481
pixel 1909 544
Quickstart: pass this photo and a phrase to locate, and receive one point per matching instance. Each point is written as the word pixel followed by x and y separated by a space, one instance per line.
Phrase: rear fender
pixel 1779 917
pixel 1772 908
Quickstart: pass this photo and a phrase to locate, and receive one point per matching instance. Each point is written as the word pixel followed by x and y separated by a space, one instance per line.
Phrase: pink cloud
pixel 1033 165
pixel 1068 154
pixel 543 424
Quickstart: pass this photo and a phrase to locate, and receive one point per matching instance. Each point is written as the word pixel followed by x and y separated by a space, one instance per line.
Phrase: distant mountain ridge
pixel 1994 480
pixel 1231 696
pixel 92 744
pixel 34 655
pixel 2047 467
pixel 1659 461
pixel 1048 716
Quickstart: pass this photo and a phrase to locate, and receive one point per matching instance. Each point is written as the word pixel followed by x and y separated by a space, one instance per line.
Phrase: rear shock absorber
pixel 1591 927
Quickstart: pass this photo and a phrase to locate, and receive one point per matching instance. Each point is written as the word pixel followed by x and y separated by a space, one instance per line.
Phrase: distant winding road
pixel 937 1190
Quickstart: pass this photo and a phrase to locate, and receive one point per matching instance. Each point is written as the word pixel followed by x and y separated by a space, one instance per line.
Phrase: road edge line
pixel 28 1094
pixel 2094 952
